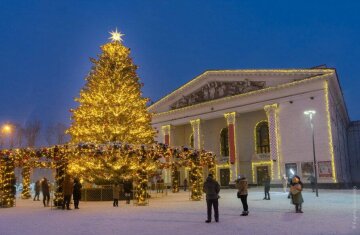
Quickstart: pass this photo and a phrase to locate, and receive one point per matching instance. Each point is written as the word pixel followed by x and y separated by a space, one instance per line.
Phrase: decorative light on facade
pixel 328 114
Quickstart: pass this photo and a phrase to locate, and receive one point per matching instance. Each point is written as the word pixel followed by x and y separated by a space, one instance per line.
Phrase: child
pixel 295 190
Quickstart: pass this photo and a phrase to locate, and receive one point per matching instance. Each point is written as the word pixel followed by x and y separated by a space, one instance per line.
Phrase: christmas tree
pixel 111 106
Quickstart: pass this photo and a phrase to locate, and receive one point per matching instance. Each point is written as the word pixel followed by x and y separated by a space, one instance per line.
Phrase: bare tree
pixel 49 134
pixel 32 131
pixel 19 133
pixel 2 142
pixel 56 133
pixel 60 134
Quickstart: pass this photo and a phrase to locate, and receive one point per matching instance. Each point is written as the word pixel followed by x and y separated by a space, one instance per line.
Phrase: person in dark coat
pixel 127 191
pixel 77 193
pixel 37 190
pixel 312 182
pixel 266 183
pixel 211 189
pixel 242 186
pixel 13 188
pixel 45 191
pixel 185 184
pixel 67 190
pixel 296 195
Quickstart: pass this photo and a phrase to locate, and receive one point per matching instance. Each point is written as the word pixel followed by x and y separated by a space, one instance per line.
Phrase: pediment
pixel 216 90
pixel 213 85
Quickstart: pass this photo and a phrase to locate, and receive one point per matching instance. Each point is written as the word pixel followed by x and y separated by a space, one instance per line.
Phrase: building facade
pixel 254 121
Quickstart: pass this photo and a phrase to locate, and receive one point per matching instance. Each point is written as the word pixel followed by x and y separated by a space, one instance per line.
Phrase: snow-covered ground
pixel 334 212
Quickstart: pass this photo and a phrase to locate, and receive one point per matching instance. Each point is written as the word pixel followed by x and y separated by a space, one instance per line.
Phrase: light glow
pixel 262 163
pixel 331 147
pixel 116 36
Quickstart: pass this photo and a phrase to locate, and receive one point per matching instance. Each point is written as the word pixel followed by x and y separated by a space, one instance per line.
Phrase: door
pixel 261 172
pixel 224 177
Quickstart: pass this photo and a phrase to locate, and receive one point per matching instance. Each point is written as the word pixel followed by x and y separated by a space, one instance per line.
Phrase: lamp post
pixel 310 114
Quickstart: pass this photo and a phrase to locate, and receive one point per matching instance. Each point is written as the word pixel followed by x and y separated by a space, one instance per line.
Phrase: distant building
pixel 254 121
pixel 354 151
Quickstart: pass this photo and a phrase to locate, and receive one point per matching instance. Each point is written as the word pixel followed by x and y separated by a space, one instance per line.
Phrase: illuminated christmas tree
pixel 111 106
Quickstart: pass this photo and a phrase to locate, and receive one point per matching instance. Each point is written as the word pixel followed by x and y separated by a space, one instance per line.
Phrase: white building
pixel 255 123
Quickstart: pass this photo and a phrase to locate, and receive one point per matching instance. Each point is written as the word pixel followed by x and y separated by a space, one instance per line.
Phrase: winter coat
pixel 37 186
pixel 77 190
pixel 266 183
pixel 242 186
pixel 211 188
pixel 296 194
pixel 116 192
pixel 45 187
pixel 127 186
pixel 68 186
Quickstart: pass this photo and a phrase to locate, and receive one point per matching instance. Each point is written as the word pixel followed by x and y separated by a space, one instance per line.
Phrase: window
pixel 192 141
pixel 224 142
pixel 262 137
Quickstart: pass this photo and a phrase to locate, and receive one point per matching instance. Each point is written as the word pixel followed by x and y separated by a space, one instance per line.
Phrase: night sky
pixel 45 45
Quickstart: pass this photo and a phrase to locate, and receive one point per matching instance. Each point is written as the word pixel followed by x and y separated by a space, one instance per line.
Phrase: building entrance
pixel 261 172
pixel 224 177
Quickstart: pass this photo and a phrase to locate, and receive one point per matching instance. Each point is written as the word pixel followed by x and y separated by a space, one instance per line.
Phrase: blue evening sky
pixel 45 45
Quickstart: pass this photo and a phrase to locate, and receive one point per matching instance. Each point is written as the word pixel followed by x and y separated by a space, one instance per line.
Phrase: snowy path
pixel 332 213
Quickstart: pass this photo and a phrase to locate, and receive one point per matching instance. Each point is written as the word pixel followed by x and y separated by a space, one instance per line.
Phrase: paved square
pixel 334 212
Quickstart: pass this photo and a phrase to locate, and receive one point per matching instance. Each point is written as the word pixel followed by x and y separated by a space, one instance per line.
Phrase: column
pixel 273 120
pixel 195 125
pixel 166 133
pixel 231 121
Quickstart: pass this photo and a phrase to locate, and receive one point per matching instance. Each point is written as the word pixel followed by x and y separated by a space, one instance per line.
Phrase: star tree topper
pixel 116 36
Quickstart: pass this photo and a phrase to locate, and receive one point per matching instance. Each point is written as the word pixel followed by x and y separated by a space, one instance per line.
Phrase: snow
pixel 334 212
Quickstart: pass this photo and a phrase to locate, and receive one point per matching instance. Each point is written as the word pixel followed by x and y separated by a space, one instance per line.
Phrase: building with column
pixel 254 121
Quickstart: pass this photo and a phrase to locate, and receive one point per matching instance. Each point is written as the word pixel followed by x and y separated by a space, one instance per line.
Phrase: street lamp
pixel 6 129
pixel 310 114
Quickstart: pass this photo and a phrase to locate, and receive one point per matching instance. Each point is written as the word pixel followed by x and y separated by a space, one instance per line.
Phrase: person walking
pixel 242 186
pixel 185 184
pixel 296 195
pixel 127 191
pixel 116 195
pixel 266 183
pixel 45 191
pixel 67 190
pixel 77 193
pixel 284 181
pixel 312 182
pixel 212 188
pixel 37 190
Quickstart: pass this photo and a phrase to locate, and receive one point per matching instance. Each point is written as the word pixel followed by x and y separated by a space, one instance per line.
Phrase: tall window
pixel 224 142
pixel 262 137
pixel 192 140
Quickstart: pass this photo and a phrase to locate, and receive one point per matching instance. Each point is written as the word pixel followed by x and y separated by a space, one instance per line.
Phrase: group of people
pixel 70 188
pixel 212 188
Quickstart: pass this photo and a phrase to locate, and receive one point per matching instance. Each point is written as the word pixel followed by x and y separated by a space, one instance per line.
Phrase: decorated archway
pixel 112 162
